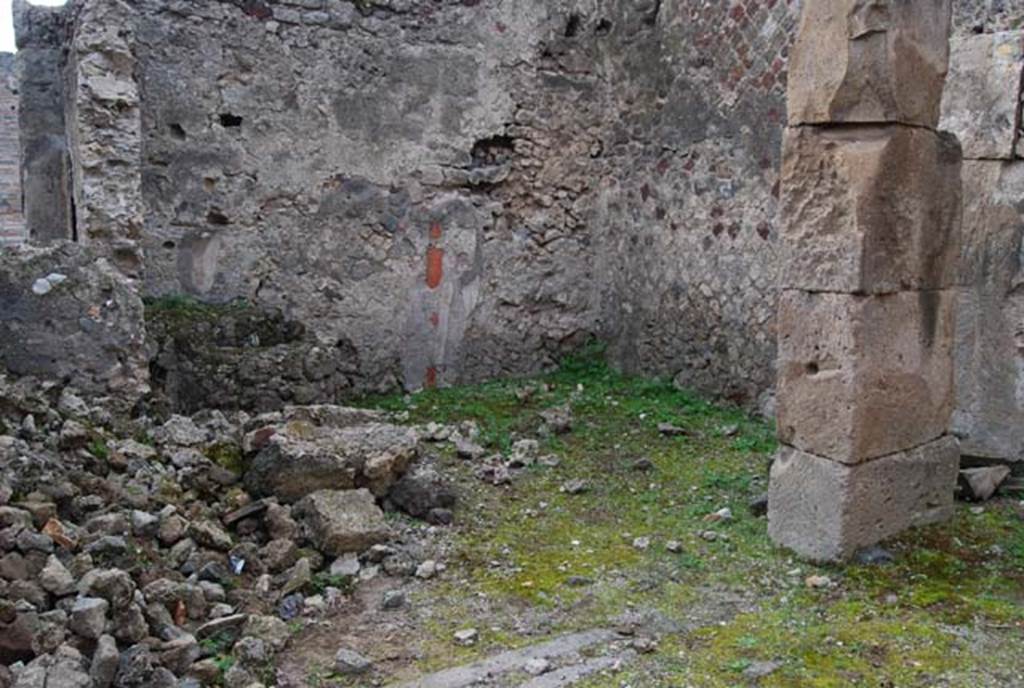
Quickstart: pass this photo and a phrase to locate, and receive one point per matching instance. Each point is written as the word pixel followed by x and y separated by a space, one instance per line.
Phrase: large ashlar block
pixel 869 61
pixel 864 376
pixel 982 97
pixel 869 209
pixel 827 511
pixel 989 416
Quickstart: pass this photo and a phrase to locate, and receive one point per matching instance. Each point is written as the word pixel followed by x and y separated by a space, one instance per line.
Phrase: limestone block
pixel 864 376
pixel 869 209
pixel 981 100
pixel 826 511
pixel 989 416
pixel 869 61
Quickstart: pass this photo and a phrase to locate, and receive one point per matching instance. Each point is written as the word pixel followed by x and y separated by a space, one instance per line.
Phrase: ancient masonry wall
pixel 982 106
pixel 12 220
pixel 431 192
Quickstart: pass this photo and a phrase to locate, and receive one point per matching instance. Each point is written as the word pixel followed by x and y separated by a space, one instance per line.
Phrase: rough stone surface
pixel 981 103
pixel 864 376
pixel 45 163
pixel 989 363
pixel 857 61
pixel 86 327
pixel 826 511
pixel 869 209
pixel 981 483
pixel 300 458
pixel 105 131
pixel 339 521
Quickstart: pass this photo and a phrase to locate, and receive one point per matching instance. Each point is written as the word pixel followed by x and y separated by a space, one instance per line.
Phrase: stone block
pixel 873 209
pixel 864 376
pixel 989 349
pixel 869 61
pixel 340 521
pixel 826 511
pixel 982 97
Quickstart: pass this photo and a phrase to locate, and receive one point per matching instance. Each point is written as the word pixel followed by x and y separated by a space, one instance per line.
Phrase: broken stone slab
pixel 989 415
pixel 979 484
pixel 340 521
pixel 299 458
pixel 869 209
pixel 981 101
pixel 826 511
pixel 857 61
pixel 864 376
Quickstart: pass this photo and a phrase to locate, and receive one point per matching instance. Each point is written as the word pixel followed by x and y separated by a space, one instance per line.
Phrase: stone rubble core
pixel 870 223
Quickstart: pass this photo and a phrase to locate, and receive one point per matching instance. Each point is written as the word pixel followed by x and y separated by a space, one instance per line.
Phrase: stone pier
pixel 870 205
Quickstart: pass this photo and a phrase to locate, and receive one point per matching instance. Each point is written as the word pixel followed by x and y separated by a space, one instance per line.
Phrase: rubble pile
pixel 182 551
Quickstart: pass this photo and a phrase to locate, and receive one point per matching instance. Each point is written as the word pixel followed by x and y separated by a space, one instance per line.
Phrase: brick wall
pixel 12 224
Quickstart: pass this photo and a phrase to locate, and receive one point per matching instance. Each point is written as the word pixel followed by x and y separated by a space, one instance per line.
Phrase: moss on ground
pixel 947 612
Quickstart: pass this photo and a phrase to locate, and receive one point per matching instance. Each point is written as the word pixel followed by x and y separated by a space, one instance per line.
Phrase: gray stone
pixel 56 579
pixel 65 668
pixel 104 662
pixel 826 511
pixel 350 663
pixel 339 521
pixel 421 490
pixel 346 565
pixel 981 483
pixel 209 534
pixel 89 617
pixel 981 101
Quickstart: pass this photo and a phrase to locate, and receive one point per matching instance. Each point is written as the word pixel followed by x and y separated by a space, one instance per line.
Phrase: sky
pixel 7 22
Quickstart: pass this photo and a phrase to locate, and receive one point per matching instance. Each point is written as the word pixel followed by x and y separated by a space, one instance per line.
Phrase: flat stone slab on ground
pixel 517 660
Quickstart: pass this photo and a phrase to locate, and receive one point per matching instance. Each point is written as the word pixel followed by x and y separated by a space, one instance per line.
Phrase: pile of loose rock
pixel 183 552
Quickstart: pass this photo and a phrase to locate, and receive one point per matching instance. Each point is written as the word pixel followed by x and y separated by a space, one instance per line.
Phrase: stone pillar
pixel 870 219
pixel 105 130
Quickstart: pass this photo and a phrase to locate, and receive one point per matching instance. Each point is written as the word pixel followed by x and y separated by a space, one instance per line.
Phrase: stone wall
pixel 462 192
pixel 446 192
pixel 12 221
pixel 982 106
